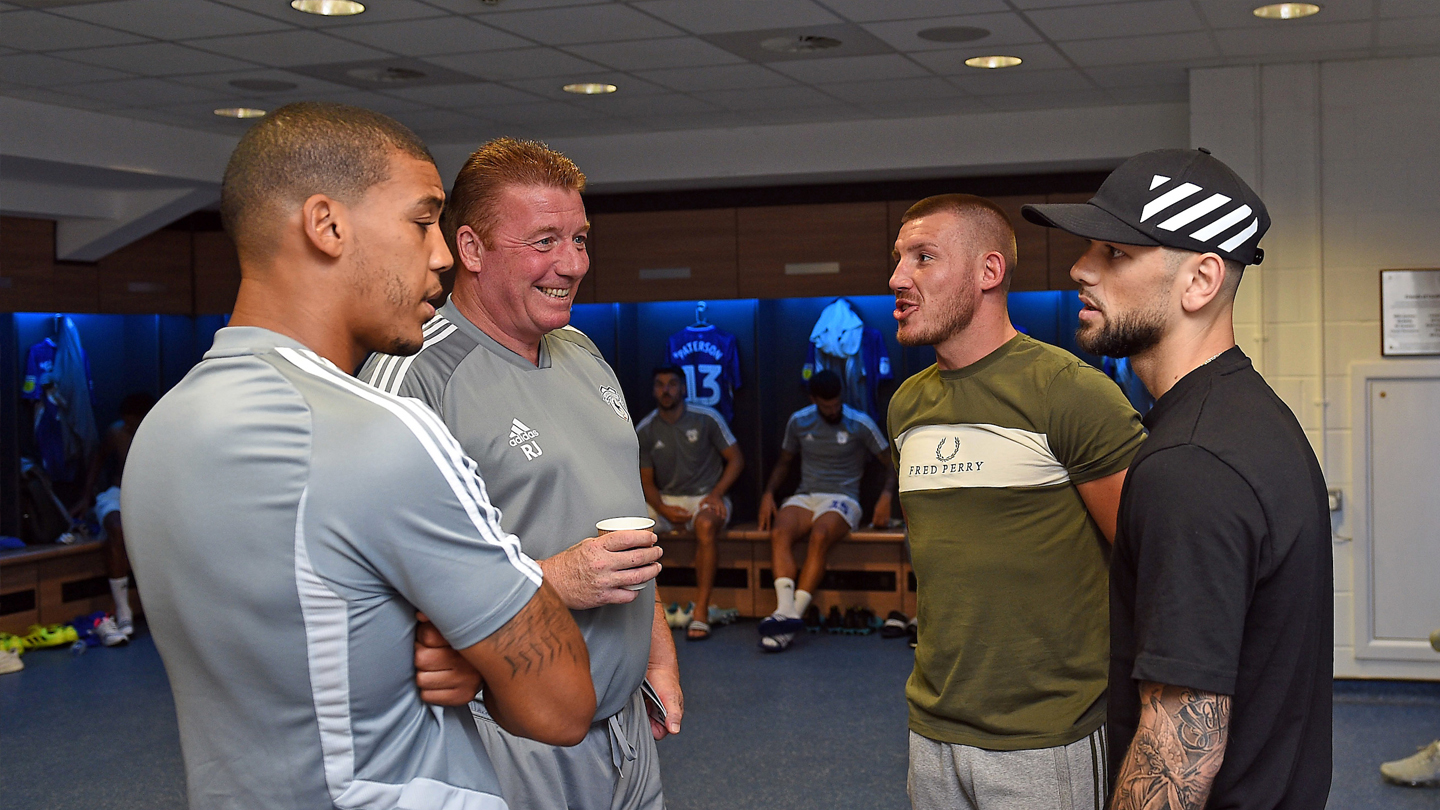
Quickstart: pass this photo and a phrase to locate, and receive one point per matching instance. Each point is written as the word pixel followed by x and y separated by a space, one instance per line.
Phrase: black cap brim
pixel 1085 221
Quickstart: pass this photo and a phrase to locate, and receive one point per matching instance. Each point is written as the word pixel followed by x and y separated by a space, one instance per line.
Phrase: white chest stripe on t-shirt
pixel 972 455
pixel 458 469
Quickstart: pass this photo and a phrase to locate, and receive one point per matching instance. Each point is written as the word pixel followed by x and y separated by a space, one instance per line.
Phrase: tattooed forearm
pixel 538 636
pixel 1177 750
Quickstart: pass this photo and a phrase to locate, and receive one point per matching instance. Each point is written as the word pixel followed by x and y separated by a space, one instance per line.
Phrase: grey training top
pixel 686 455
pixel 832 457
pixel 557 451
pixel 285 523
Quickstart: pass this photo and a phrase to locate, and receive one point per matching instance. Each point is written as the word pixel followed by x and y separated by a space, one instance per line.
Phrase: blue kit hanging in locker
pixel 842 343
pixel 710 360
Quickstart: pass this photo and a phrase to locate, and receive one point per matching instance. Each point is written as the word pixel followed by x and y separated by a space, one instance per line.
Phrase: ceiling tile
pixel 1157 94
pixel 651 54
pixel 551 88
pixel 464 95
pixel 1020 80
pixel 806 115
pixel 476 8
pixel 289 48
pixel 1138 50
pixel 59 99
pixel 221 82
pixel 379 102
pixel 38 31
pixel 768 97
pixel 166 19
pixel 658 105
pixel 1031 4
pixel 851 68
pixel 1240 14
pixel 143 92
pixel 873 10
pixel 1005 29
pixel 574 129
pixel 1399 33
pixel 1034 57
pixel 1050 101
pixel 437 35
pixel 1309 40
pixel 157 59
pixel 960 105
pixel 1111 20
pixel 607 23
pixel 717 16
pixel 898 90
pixel 717 77
pixel 526 63
pixel 723 119
pixel 1139 75
pixel 378 11
pixel 43 71
pixel 542 113
pixel 1407 8
pixel 420 120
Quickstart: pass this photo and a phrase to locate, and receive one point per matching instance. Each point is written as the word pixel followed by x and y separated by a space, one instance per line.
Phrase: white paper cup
pixel 625 524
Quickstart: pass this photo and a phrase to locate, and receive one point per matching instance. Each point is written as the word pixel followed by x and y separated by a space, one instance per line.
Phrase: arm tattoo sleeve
pixel 1177 750
pixel 538 635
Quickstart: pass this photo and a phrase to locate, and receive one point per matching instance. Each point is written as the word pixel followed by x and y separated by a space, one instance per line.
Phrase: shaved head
pixel 989 227
pixel 301 150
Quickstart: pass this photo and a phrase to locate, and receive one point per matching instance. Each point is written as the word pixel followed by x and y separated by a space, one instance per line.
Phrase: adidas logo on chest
pixel 524 437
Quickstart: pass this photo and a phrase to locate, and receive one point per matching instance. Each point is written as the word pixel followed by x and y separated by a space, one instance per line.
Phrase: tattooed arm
pixel 1177 750
pixel 536 671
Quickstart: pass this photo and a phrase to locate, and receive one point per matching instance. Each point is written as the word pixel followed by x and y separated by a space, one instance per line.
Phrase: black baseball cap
pixel 1179 198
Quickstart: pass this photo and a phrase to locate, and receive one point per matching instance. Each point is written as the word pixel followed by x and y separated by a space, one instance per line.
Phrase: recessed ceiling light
pixel 953 33
pixel 1286 11
pixel 992 62
pixel 328 8
pixel 804 43
pixel 590 88
pixel 263 85
pixel 240 112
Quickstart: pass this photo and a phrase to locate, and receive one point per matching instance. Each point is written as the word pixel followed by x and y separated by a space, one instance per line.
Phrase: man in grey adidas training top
pixel 286 521
pixel 534 403
pixel 688 462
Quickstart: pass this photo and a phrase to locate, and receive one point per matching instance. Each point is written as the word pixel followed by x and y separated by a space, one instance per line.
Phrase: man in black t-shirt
pixel 1221 606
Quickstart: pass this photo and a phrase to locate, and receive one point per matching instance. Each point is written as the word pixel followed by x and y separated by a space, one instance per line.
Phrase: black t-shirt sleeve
pixel 1195 529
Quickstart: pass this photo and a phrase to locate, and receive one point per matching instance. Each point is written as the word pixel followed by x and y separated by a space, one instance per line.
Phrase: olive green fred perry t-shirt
pixel 1010 568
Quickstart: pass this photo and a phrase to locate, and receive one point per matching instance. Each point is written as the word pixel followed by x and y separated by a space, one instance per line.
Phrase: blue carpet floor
pixel 820 726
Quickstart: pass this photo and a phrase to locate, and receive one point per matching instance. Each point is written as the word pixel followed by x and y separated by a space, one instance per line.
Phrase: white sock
pixel 779 642
pixel 785 597
pixel 120 589
pixel 802 601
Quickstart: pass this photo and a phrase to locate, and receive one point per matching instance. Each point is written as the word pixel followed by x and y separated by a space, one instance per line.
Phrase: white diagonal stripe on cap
pixel 1158 181
pixel 1194 212
pixel 1239 238
pixel 1167 199
pixel 1222 224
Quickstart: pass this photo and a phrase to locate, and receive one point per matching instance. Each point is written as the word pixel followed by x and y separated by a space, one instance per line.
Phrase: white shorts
pixel 107 503
pixel 691 504
pixel 821 502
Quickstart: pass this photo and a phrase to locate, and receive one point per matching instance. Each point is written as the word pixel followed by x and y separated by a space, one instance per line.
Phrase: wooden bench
pixel 870 568
pixel 52 584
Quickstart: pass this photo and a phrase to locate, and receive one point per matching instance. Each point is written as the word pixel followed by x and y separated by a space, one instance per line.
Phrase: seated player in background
pixel 688 461
pixel 833 441
pixel 110 460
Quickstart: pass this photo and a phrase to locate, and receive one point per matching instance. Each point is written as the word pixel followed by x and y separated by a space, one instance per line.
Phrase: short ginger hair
pixel 990 225
pixel 495 166
pixel 303 149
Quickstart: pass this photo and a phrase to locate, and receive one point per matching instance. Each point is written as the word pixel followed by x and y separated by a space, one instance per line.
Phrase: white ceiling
pixel 679 64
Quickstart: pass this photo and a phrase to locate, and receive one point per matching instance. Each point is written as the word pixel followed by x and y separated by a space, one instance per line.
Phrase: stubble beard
pixel 952 318
pixel 1124 336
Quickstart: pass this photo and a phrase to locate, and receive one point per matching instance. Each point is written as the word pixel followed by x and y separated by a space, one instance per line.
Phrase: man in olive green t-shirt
pixel 1011 454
